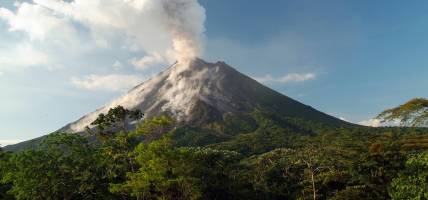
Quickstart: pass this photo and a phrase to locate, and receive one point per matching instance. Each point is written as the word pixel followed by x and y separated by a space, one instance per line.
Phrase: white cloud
pixel 117 65
pixel 8 142
pixel 174 28
pixel 294 77
pixel 371 122
pixel 38 22
pixel 111 82
pixel 339 116
pixel 343 119
pixel 67 31
pixel 23 55
pixel 378 123
pixel 49 38
pixel 147 61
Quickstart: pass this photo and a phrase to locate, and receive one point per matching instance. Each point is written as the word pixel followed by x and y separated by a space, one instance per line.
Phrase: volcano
pixel 181 91
pixel 202 92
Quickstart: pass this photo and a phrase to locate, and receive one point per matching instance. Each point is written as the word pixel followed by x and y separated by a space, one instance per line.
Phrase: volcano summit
pixel 203 92
pixel 181 92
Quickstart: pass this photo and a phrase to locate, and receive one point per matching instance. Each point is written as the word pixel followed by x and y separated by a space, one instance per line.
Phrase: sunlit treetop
pixel 412 113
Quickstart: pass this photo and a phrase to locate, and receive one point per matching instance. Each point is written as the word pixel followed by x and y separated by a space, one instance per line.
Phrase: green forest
pixel 255 156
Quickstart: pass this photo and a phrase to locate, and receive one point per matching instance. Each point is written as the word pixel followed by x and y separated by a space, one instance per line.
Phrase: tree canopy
pixel 412 113
pixel 275 157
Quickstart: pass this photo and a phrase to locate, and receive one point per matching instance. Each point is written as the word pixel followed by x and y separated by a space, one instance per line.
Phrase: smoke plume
pixel 173 29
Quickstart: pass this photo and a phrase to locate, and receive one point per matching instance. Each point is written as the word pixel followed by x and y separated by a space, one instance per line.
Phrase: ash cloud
pixel 173 29
pixel 186 22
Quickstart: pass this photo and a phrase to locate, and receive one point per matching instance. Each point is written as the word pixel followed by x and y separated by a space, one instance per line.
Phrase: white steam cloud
pixel 173 29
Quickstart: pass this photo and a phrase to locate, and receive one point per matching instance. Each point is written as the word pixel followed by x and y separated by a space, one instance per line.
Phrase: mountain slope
pixel 201 92
pixel 180 90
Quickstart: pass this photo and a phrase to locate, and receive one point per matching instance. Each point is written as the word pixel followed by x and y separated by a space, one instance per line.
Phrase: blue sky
pixel 351 59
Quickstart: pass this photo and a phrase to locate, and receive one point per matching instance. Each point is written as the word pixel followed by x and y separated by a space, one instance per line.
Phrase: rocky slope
pixel 202 91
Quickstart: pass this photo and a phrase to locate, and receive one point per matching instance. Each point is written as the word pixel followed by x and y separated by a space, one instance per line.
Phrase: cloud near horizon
pixel 371 122
pixel 9 142
pixel 288 78
pixel 107 83
pixel 378 123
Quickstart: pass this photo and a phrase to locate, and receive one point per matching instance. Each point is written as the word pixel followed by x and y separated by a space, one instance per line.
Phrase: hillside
pixel 201 93
pixel 181 91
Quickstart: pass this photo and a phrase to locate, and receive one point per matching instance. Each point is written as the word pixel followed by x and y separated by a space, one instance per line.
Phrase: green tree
pixel 116 120
pixel 154 128
pixel 4 188
pixel 317 162
pixel 117 143
pixel 216 173
pixel 275 175
pixel 170 172
pixel 413 182
pixel 117 157
pixel 64 166
pixel 378 167
pixel 164 173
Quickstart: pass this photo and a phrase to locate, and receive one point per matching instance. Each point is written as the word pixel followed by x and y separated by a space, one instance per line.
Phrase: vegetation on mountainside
pixel 412 113
pixel 255 156
pixel 412 183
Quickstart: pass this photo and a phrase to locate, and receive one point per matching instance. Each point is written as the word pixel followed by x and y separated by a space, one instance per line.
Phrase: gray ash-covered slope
pixel 202 91
pixel 180 91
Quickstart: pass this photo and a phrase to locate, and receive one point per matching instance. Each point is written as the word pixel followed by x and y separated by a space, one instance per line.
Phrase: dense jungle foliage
pixel 254 156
